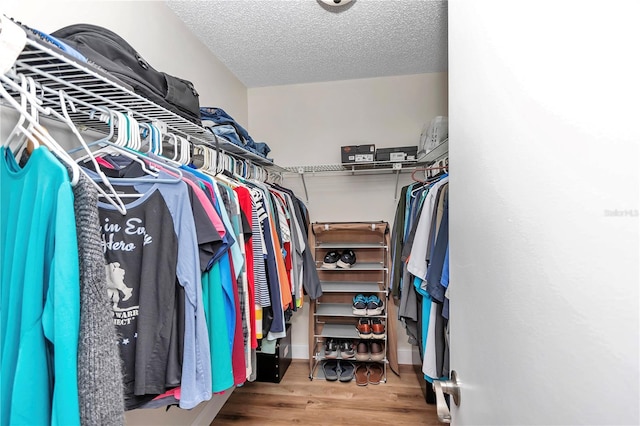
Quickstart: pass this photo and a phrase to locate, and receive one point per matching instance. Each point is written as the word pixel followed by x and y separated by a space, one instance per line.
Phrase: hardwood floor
pixel 297 400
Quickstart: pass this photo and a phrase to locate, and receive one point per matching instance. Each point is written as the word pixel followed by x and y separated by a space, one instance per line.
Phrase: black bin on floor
pixel 271 367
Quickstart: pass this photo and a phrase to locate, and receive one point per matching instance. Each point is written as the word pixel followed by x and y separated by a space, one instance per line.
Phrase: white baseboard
pixel 299 351
pixel 405 356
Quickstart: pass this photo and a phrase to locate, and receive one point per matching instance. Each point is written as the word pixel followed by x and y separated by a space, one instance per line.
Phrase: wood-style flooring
pixel 297 400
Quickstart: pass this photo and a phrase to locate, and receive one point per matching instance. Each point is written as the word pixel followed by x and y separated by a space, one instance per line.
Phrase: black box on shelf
pixel 271 367
pixel 398 153
pixel 358 153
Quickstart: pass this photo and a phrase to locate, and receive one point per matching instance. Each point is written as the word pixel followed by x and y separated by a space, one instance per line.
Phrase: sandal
pixel 346 371
pixel 330 369
pixel 362 375
pixel 376 372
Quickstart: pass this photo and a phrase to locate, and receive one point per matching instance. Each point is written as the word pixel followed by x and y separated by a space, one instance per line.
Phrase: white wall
pixel 306 124
pixel 155 32
pixel 544 147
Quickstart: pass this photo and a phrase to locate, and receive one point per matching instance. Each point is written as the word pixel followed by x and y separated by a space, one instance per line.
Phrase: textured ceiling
pixel 275 42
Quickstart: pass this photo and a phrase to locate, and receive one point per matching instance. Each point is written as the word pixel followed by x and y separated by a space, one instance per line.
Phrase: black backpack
pixel 112 53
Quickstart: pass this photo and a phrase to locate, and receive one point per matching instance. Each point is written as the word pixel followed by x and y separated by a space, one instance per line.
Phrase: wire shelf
pixel 438 153
pixel 56 70
pixel 370 167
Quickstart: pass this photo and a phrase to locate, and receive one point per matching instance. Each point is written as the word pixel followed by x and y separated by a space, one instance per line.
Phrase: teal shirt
pixel 215 312
pixel 40 303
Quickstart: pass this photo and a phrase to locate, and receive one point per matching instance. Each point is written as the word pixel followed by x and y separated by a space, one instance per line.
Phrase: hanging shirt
pixel 245 200
pixel 417 264
pixel 259 251
pixel 219 343
pixel 40 303
pixel 146 251
pixel 436 265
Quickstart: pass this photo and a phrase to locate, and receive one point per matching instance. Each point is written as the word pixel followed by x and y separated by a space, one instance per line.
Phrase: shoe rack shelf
pixel 339 310
pixel 352 287
pixel 357 267
pixel 332 314
pixel 338 331
pixel 350 246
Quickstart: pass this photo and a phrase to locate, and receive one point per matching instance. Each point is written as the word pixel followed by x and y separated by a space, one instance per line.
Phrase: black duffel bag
pixel 112 53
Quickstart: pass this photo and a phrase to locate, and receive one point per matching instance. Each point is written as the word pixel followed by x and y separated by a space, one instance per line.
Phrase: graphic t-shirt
pixel 141 251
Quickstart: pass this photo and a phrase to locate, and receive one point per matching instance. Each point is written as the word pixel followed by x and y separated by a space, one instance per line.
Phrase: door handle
pixel 451 387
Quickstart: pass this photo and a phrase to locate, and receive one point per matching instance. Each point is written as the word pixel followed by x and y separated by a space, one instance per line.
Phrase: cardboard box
pixel 271 367
pixel 358 153
pixel 398 153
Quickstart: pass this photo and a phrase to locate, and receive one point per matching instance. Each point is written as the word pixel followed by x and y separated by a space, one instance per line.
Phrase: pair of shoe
pixel 334 349
pixel 367 305
pixel 334 259
pixel 369 374
pixel 370 328
pixel 370 351
pixel 338 370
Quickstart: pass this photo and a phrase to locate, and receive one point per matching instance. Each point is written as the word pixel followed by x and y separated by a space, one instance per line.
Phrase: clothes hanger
pixel 39 131
pixel 112 197
pixel 159 137
pixel 114 148
pixel 147 137
pixel 62 154
pixel 109 147
pixel 216 158
pixel 428 181
pixel 15 132
pixel 173 141
pixel 424 169
pixel 133 141
pixel 200 150
pixel 31 102
pixel 186 151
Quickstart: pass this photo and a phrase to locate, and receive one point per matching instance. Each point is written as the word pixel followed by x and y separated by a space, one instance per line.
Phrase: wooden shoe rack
pixel 332 315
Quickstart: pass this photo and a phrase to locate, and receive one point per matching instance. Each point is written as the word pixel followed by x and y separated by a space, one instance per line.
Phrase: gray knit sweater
pixel 100 385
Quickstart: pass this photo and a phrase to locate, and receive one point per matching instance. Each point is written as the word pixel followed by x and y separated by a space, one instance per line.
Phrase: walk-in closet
pixel 320 212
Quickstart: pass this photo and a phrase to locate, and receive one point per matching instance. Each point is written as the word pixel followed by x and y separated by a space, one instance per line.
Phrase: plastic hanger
pixel 159 138
pixel 146 140
pixel 185 145
pixel 113 148
pixel 133 128
pixel 38 131
pixel 199 150
pixel 30 87
pixel 16 132
pixel 112 197
pixel 23 135
pixel 173 141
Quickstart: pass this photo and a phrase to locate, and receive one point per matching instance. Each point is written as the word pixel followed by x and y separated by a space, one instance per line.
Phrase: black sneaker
pixel 331 259
pixel 347 259
pixel 347 350
pixel 331 349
